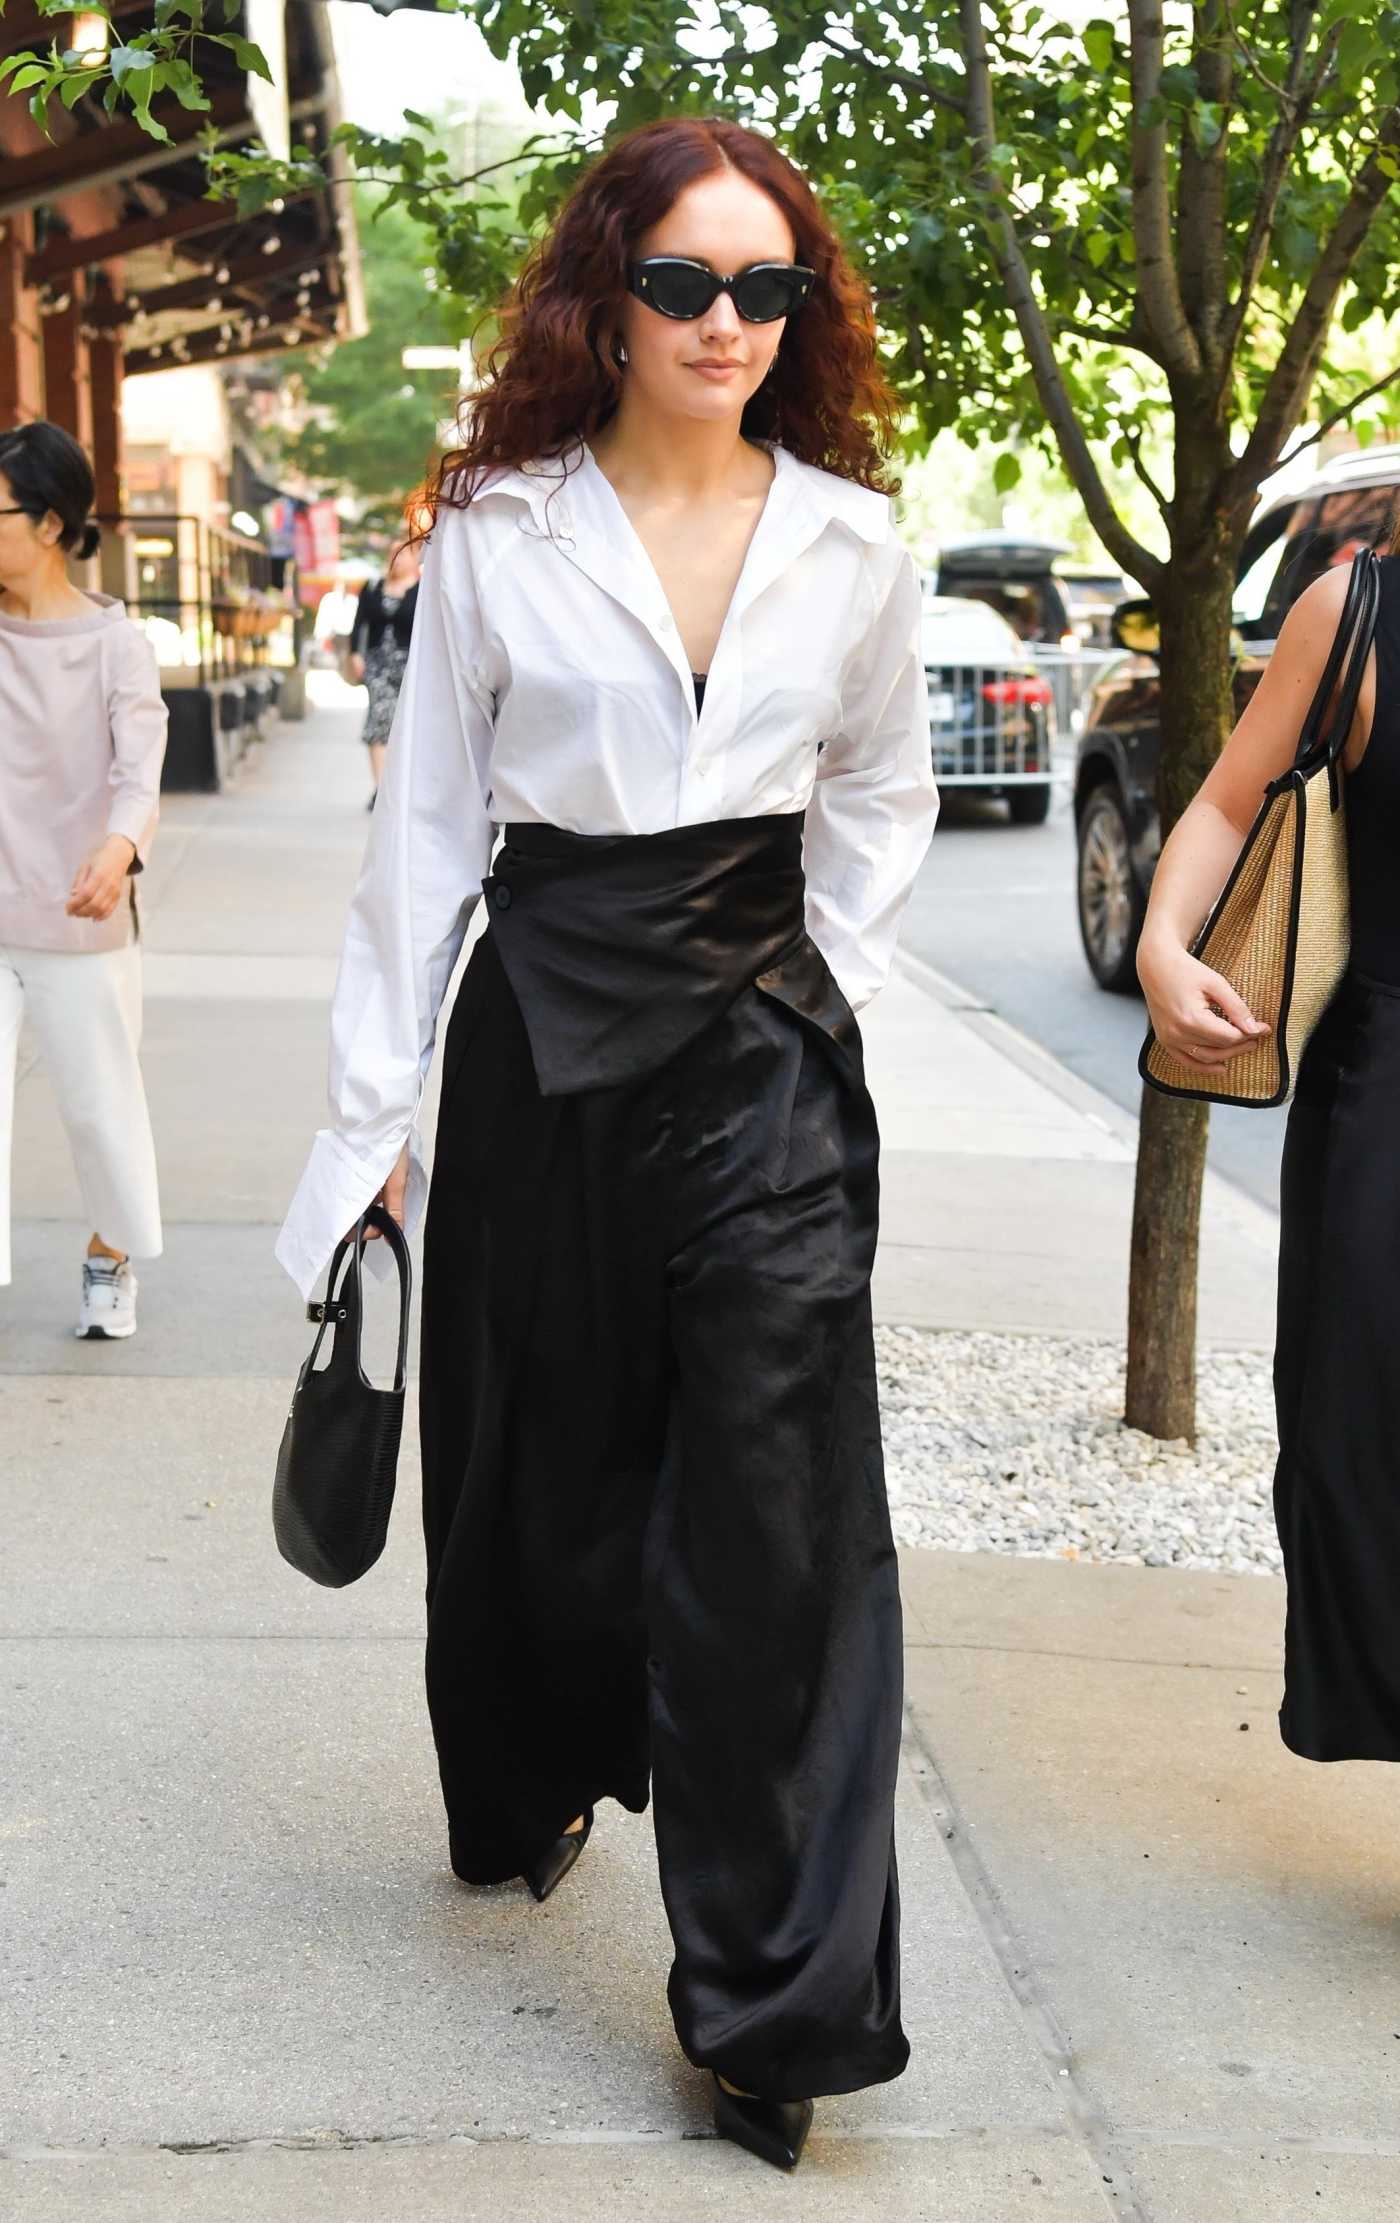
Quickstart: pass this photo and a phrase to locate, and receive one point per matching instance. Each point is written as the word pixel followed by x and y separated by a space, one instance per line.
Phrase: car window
pixel 969 634
pixel 1262 555
pixel 1031 607
pixel 1322 534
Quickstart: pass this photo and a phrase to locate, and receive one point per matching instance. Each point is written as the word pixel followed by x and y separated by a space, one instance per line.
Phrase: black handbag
pixel 340 1445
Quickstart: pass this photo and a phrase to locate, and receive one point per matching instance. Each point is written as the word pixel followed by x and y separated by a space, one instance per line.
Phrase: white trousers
pixel 85 1008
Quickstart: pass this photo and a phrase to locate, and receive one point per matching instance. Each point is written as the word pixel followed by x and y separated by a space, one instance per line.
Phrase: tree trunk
pixel 1196 717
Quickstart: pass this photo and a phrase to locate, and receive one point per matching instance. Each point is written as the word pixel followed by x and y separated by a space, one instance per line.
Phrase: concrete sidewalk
pixel 1151 1961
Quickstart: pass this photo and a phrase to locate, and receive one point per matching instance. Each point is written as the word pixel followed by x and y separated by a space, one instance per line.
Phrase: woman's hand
pixel 1195 1013
pixel 391 1196
pixel 357 668
pixel 101 879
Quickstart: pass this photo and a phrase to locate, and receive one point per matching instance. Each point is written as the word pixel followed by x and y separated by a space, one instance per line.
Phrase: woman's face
pixel 24 541
pixel 727 222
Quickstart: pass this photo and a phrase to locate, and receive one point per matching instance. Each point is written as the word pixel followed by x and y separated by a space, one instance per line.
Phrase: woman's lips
pixel 714 370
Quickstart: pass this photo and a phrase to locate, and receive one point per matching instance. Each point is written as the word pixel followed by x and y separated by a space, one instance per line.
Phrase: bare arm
pixel 1195 1012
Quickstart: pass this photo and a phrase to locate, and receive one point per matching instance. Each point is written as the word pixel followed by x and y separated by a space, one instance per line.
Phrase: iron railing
pixel 1073 674
pixel 991 723
pixel 212 604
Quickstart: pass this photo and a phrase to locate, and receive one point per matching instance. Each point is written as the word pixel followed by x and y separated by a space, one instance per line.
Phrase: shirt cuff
pixel 130 820
pixel 330 1196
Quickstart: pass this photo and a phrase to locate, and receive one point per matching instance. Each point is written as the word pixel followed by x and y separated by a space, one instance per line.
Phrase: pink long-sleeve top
pixel 82 735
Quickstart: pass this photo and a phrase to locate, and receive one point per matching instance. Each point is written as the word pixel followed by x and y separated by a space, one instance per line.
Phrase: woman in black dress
pixel 379 640
pixel 1336 1369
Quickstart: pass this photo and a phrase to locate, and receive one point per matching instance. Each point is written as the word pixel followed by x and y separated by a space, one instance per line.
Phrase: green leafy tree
pixel 373 427
pixel 1075 233
pixel 137 65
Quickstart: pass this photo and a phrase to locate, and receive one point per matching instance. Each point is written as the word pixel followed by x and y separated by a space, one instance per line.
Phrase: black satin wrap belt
pixel 621 948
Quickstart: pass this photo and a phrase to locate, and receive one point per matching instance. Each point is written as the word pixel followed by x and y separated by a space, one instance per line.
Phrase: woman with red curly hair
pixel 667 646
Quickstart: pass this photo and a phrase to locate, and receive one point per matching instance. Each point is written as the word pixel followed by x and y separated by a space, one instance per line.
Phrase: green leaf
pixel 39 110
pixel 72 89
pixel 32 73
pixel 1007 471
pixel 1179 83
pixel 1099 246
pixel 167 10
pixel 1357 44
pixel 184 85
pixel 151 127
pixel 1297 247
pixel 1099 46
pixel 128 61
pixel 248 57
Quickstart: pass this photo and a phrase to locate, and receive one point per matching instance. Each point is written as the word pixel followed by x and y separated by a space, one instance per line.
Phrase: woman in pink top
pixel 82 735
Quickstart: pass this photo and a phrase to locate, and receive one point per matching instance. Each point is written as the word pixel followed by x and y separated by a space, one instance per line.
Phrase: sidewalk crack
pixel 1085 2118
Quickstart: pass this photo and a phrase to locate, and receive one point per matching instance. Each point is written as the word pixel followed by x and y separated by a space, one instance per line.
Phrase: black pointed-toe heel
pixel 551 1868
pixel 775 2130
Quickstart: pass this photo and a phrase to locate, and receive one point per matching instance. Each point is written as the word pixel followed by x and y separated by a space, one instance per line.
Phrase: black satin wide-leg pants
pixel 1337 1383
pixel 659 1548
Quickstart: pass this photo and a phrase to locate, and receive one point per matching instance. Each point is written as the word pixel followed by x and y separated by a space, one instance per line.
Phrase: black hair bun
pixel 88 539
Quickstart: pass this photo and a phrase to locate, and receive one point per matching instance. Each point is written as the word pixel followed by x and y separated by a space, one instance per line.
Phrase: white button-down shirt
pixel 547 682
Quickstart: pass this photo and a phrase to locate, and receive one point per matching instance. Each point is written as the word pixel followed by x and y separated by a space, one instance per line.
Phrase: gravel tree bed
pixel 1015 1444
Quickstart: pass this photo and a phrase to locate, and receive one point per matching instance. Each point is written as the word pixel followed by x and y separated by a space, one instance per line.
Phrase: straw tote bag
pixel 1280 930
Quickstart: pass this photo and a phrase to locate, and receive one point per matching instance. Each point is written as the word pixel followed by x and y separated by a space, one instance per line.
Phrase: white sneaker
pixel 109 1300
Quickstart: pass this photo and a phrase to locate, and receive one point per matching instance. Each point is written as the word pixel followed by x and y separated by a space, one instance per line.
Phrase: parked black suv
pixel 1295 538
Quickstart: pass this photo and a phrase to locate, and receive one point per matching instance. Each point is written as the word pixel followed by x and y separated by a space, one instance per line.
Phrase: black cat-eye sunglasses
pixel 675 286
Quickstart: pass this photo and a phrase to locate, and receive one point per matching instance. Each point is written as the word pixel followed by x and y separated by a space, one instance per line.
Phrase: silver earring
pixel 620 354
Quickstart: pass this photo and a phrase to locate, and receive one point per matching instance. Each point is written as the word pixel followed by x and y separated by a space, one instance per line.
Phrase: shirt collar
pixel 823 496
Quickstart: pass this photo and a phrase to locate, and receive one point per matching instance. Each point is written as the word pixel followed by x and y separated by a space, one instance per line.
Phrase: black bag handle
pixel 1354 635
pixel 349 1306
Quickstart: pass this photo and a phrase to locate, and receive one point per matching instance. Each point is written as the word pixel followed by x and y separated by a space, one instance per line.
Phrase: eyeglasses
pixel 675 286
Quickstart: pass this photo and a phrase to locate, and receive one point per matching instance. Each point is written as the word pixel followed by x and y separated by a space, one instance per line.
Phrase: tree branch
pixel 1132 440
pixel 1251 60
pixel 1010 260
pixel 1299 99
pixel 895 75
pixel 1296 365
pixel 1159 289
pixel 1202 182
pixel 1108 335
pixel 1339 416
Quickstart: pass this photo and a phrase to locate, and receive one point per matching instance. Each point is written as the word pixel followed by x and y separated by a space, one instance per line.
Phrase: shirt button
pixel 501 896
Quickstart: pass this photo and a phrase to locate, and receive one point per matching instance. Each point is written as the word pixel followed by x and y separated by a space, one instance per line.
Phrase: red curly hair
pixel 546 381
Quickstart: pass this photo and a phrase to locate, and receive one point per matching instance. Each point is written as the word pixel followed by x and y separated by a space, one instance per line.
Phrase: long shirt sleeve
pixel 429 846
pixel 138 718
pixel 875 803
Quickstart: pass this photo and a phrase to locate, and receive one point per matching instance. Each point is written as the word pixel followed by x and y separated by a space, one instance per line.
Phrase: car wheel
pixel 1029 806
pixel 1111 903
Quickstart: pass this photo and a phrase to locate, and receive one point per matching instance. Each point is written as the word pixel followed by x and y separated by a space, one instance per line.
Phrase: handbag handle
pixel 1353 638
pixel 327 1311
